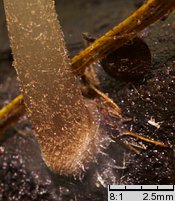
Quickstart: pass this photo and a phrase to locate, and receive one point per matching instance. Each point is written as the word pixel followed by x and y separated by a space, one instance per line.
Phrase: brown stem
pixel 64 127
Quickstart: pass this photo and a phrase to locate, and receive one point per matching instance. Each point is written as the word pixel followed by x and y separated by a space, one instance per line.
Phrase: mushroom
pixel 64 126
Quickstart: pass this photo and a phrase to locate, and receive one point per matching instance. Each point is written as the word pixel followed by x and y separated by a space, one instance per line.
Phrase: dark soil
pixel 23 174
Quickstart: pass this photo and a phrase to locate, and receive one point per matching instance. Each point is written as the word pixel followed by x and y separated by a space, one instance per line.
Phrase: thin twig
pixel 10 114
pixel 9 108
pixel 131 147
pixel 108 101
pixel 144 139
pixel 150 12
pixel 137 146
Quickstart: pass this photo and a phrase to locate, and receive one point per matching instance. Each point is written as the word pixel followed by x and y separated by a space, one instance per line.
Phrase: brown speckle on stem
pixel 63 125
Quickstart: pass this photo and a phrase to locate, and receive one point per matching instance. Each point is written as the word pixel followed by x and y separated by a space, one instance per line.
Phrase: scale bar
pixel 141 188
